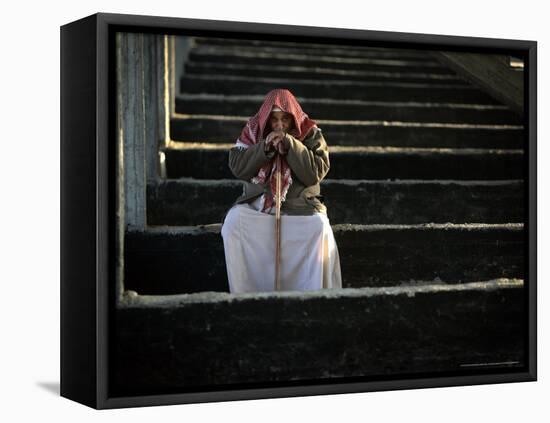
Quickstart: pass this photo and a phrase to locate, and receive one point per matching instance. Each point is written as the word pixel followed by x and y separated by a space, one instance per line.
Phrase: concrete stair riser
pixel 291 45
pixel 351 90
pixel 312 48
pixel 370 133
pixel 318 59
pixel 318 71
pixel 191 202
pixel 174 261
pixel 212 163
pixel 326 110
pixel 183 346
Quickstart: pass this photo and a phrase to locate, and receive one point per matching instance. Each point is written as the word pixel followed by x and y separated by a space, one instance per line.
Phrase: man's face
pixel 281 121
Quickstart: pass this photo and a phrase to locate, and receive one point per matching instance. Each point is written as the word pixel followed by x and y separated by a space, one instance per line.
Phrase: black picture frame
pixel 88 208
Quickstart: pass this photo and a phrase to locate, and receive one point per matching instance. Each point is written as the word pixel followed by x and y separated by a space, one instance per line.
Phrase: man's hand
pixel 278 141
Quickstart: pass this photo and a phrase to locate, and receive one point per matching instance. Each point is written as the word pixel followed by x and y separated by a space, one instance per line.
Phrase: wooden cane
pixel 278 223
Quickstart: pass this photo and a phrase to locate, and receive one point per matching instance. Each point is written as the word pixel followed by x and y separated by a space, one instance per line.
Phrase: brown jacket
pixel 308 162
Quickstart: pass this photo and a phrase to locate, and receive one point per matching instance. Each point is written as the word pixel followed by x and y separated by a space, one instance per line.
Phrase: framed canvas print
pixel 258 210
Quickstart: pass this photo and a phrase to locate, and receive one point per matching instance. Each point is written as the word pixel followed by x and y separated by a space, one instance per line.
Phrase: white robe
pixel 309 254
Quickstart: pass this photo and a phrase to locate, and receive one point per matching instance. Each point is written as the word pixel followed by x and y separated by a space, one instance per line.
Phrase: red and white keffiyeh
pixel 255 130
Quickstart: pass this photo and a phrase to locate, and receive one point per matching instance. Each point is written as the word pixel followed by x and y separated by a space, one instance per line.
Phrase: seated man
pixel 309 256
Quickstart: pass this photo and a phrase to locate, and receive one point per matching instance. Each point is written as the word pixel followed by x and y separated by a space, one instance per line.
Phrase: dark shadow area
pixel 52 387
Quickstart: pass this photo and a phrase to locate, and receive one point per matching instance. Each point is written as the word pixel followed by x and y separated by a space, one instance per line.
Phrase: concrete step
pixel 334 89
pixel 330 49
pixel 187 201
pixel 354 109
pixel 317 71
pixel 333 60
pixel 221 128
pixel 175 260
pixel 193 342
pixel 210 161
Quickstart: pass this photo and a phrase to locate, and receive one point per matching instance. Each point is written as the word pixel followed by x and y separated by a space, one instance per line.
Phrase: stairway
pixel 425 179
pixel 425 192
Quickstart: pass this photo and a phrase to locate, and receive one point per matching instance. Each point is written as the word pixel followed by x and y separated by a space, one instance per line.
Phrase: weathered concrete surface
pixel 142 115
pixel 335 57
pixel 190 202
pixel 490 71
pixel 315 72
pixel 172 260
pixel 211 341
pixel 187 202
pixel 357 90
pixel 216 104
pixel 212 128
pixel 420 201
pixel 131 125
pixel 314 48
pixel 334 61
pixel 204 161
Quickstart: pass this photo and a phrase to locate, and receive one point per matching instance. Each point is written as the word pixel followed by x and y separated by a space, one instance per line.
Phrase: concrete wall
pixel 492 72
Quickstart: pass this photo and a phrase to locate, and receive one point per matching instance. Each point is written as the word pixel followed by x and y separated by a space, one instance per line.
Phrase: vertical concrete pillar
pixel 142 128
pixel 156 62
pixel 132 128
pixel 144 115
